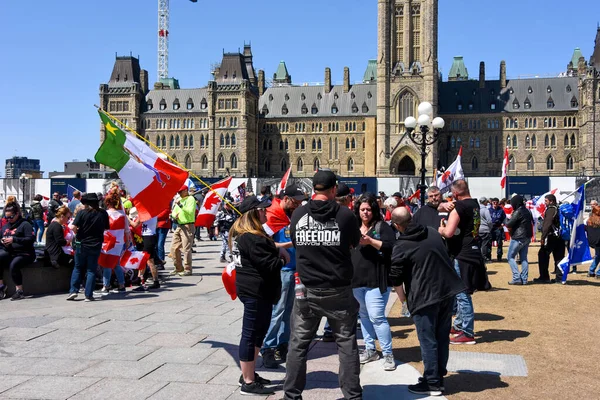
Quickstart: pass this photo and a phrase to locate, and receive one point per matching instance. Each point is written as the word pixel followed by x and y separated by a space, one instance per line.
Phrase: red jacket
pixel 163 220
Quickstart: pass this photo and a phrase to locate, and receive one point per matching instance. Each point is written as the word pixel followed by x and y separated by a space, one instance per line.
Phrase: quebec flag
pixel 579 248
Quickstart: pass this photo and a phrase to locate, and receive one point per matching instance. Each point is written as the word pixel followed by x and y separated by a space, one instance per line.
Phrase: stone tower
pixel 589 110
pixel 407 74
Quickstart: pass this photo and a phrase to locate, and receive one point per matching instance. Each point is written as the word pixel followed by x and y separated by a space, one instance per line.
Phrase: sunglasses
pixel 10 216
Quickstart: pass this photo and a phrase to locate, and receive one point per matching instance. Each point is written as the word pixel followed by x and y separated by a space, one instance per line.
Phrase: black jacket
pixel 372 266
pixel 520 224
pixel 257 267
pixel 428 216
pixel 593 236
pixel 551 224
pixel 37 211
pixel 22 234
pixel 55 240
pixel 323 234
pixel 421 262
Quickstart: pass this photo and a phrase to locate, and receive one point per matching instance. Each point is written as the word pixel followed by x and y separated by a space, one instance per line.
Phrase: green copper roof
pixel 458 70
pixel 371 72
pixel 576 54
pixel 170 82
pixel 282 72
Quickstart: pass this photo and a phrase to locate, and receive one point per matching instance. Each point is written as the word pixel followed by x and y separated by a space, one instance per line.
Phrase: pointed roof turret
pixel 458 71
pixel 576 54
pixel 282 76
pixel 371 72
pixel 595 58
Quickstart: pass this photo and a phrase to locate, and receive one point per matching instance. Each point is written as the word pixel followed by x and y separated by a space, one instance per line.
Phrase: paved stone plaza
pixel 178 342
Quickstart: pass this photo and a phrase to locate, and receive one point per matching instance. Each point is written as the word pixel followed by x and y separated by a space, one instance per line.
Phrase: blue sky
pixel 55 55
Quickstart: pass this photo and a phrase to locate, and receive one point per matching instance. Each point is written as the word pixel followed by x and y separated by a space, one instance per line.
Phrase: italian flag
pixel 114 238
pixel 134 259
pixel 151 181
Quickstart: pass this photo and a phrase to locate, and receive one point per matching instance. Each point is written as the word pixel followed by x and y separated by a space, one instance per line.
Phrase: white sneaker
pixel 389 364
pixel 72 296
pixel 368 355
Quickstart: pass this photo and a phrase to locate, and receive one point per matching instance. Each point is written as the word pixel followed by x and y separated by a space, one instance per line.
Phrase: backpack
pixel 566 214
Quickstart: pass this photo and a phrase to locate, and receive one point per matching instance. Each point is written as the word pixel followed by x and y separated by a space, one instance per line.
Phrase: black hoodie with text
pixel 323 234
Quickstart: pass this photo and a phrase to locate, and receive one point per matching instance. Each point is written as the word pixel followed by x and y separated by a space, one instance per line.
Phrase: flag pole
pixel 575 191
pixel 174 161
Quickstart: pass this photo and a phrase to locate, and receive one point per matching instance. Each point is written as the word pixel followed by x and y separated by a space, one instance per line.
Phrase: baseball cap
pixel 252 202
pixel 294 192
pixel 342 190
pixel 397 194
pixel 483 199
pixel 324 180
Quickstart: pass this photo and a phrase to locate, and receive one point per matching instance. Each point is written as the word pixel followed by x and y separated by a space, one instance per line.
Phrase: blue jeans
pixel 161 233
pixel 107 273
pixel 519 247
pixel 372 318
pixel 86 262
pixel 595 262
pixel 279 329
pixel 465 316
pixel 38 229
pixel 255 324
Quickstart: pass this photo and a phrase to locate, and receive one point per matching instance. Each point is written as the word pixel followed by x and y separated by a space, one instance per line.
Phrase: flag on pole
pixel 453 173
pixel 134 259
pixel 239 193
pixel 152 181
pixel 539 206
pixel 579 248
pixel 284 180
pixel 70 191
pixel 114 238
pixel 504 169
pixel 277 219
pixel 415 195
pixel 210 205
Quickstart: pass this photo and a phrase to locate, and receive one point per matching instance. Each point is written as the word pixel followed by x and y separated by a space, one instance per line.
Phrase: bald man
pixel 431 285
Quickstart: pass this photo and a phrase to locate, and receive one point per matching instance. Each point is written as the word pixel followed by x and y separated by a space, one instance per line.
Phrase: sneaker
pixel 423 388
pixel 328 336
pixel 515 283
pixel 463 338
pixel 454 331
pixel 119 290
pixel 17 296
pixel 222 260
pixel 175 272
pixel 541 281
pixel 141 288
pixel 72 296
pixel 590 275
pixel 103 292
pixel 155 285
pixel 269 359
pixel 3 289
pixel 256 388
pixel 389 364
pixel 88 299
pixel 187 272
pixel 368 355
pixel 281 353
pixel 257 378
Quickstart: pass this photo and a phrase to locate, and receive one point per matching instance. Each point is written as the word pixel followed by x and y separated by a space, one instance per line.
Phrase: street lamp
pixel 425 135
pixel 23 180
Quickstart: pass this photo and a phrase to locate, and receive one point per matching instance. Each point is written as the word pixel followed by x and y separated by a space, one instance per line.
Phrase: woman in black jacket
pixel 258 282
pixel 16 248
pixel 371 261
pixel 37 215
pixel 592 228
pixel 55 238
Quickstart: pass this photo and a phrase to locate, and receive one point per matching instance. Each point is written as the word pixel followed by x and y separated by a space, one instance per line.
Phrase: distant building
pixel 22 165
pixel 85 169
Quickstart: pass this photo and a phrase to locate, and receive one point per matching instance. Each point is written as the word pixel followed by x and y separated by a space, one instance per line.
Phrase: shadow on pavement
pixel 488 317
pixel 582 283
pixel 400 321
pixel 408 354
pixel 401 333
pixel 472 383
pixel 499 335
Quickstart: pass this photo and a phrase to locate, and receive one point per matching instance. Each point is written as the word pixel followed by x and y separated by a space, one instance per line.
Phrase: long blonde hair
pixel 249 222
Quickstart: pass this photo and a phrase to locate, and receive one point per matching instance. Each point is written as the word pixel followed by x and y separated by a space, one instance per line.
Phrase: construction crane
pixel 163 38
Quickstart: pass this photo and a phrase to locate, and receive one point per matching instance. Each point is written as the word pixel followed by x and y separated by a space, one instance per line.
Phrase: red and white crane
pixel 163 38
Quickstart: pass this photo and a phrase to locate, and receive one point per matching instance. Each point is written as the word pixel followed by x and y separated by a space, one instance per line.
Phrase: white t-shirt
pixel 149 227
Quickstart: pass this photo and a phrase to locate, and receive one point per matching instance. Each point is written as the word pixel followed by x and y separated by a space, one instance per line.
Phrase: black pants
pixel 255 324
pixel 498 236
pixel 341 309
pixel 486 245
pixel 433 330
pixel 555 246
pixel 15 263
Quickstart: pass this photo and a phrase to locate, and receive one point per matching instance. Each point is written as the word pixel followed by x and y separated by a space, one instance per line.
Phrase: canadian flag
pixel 284 180
pixel 539 206
pixel 504 169
pixel 228 277
pixel 453 173
pixel 134 259
pixel 114 238
pixel 210 205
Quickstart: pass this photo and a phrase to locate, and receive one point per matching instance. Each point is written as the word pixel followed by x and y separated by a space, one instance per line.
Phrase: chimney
pixel 261 82
pixel 144 80
pixel 327 80
pixel 346 79
pixel 502 74
pixel 482 75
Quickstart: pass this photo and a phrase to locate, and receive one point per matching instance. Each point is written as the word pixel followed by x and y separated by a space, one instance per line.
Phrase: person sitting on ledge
pixel 55 239
pixel 16 248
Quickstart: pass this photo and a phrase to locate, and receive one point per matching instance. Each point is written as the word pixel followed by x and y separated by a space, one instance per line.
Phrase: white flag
pixel 453 173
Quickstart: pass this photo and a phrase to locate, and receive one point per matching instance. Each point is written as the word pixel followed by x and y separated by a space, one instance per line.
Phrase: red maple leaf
pixel 210 201
pixel 110 241
pixel 134 260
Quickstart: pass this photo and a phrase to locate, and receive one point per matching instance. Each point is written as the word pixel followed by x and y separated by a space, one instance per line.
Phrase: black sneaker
pixel 257 378
pixel 281 353
pixel 3 289
pixel 155 285
pixel 541 281
pixel 256 388
pixel 17 296
pixel 423 388
pixel 590 275
pixel 141 288
pixel 269 359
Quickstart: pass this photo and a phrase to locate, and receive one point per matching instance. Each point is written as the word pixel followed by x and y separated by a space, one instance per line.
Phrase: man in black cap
pixel 323 233
pixel 343 196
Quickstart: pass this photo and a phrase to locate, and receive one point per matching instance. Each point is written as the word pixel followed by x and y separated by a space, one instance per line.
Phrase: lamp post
pixel 424 132
pixel 23 180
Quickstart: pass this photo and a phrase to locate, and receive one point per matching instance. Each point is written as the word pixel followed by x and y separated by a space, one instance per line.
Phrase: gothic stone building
pixel 242 125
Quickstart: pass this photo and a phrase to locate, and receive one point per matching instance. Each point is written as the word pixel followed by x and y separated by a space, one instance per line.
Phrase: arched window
pixel 299 165
pixel 188 162
pixel 511 163
pixel 458 142
pixel 565 121
pixel 221 162
pixel 533 142
pixel 157 140
pixel 553 141
pixel 508 141
pixel 566 140
pixel 227 140
pixel 347 144
pixel 286 145
pixel 477 142
pixel 281 145
pixel 471 142
pixel 405 107
pixel 233 161
pixel 573 144
pixel 233 140
pixel 569 162
pixel 453 142
pixel 350 165
pixel 530 163
pixel 271 144
pixel 353 144
pixel 515 143
pixel 546 141
pixel 319 144
pixel 527 142
pixel 267 165
pixel 535 122
pixel 177 141
pixel 302 145
pixel 316 164
pixel 474 164
pixel 164 142
pixel 330 149
pixel 264 146
pixel 314 144
pixel 185 141
pixel 550 163
pixel 204 162
pixel 297 145
pixel 284 166
pixel 191 142
pixel 222 141
pixel 171 142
